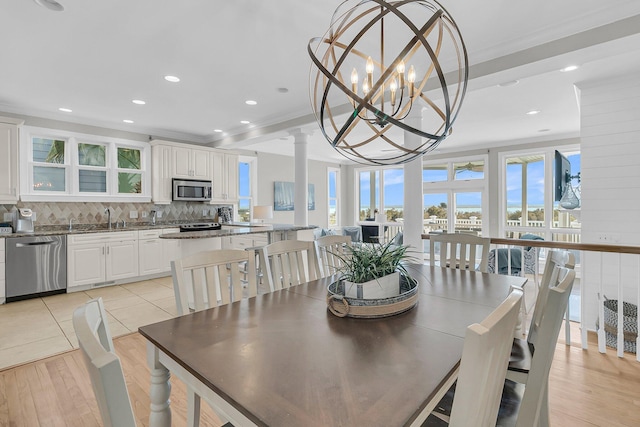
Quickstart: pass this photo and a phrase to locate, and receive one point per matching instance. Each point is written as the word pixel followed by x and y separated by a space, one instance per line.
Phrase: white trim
pixel 72 193
pixel 331 169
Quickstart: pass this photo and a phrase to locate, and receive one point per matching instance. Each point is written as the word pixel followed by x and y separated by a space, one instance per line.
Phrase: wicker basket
pixel 629 324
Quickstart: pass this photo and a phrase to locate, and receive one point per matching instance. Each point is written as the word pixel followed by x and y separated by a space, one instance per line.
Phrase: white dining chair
pixel 483 368
pixel 206 280
pixel 331 252
pixel 213 278
pixel 289 263
pixel 531 359
pixel 105 370
pixel 459 250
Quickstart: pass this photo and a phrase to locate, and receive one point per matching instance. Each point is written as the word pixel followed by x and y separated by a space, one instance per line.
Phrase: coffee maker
pixel 23 220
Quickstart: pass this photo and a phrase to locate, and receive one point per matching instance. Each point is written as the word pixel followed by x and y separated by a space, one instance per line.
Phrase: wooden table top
pixel 283 360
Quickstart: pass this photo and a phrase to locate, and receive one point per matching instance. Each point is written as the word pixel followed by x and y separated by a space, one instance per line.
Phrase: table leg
pixel 160 392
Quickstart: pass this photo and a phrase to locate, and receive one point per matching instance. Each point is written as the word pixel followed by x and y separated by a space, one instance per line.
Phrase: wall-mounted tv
pixel 561 176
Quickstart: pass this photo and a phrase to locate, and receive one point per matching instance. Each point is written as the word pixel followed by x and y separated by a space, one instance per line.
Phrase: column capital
pixel 300 135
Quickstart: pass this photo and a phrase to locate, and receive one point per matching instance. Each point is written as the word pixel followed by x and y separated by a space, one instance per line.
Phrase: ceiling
pixel 96 57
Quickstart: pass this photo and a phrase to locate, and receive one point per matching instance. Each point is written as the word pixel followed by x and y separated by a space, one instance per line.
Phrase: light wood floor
pixel 586 389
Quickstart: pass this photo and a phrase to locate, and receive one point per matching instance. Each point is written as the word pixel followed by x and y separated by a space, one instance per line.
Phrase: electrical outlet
pixel 159 214
pixel 205 212
pixel 133 214
pixel 145 214
pixel 8 217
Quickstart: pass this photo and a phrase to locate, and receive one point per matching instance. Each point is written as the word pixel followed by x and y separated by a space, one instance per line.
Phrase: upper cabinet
pixel 190 163
pixel 225 177
pixel 174 160
pixel 9 160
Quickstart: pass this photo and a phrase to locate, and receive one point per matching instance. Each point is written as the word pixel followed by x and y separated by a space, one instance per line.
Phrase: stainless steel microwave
pixel 191 190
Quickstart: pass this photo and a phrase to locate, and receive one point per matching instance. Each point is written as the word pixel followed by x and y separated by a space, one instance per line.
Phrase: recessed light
pixel 245 122
pixel 138 102
pixel 509 83
pixel 217 130
pixel 533 112
pixel 283 90
pixel 250 102
pixel 172 79
pixel 66 110
pixel 51 5
pixel 544 130
pixel 569 68
pixel 128 121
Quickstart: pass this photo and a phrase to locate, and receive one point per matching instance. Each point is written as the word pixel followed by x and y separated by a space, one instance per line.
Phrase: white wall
pixel 610 131
pixel 273 167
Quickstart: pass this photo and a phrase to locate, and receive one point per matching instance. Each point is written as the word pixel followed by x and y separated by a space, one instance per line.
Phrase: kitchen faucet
pixel 108 212
pixel 154 214
pixel 70 224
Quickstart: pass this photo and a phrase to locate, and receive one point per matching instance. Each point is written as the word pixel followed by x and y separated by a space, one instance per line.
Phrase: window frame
pixel 452 186
pixel 335 170
pixel 253 185
pixel 381 190
pixel 72 167
pixel 548 230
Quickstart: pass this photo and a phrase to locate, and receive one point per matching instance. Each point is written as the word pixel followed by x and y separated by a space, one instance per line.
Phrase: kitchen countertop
pixel 229 229
pixel 234 229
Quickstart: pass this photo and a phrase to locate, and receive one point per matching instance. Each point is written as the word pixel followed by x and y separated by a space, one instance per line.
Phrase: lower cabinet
pixel 101 258
pixel 155 254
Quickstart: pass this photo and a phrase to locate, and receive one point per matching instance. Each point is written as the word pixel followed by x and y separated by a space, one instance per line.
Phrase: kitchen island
pixel 196 241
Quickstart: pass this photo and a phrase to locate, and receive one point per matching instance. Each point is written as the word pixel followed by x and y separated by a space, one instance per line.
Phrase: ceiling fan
pixel 471 167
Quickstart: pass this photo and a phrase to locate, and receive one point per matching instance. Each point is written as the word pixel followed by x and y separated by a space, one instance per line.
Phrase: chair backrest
pixel 550 278
pixel 535 392
pixel 460 250
pixel 105 370
pixel 289 262
pixel 485 357
pixel 330 251
pixel 212 278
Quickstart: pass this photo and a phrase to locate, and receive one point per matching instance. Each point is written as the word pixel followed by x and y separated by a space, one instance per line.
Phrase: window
pixel 63 166
pixel 247 183
pixel 381 190
pixel 92 168
pixel 49 164
pixel 527 201
pixel 129 171
pixel 455 195
pixel 333 196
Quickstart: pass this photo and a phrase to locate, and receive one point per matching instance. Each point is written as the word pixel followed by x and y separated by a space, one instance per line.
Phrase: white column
pixel 413 198
pixel 301 192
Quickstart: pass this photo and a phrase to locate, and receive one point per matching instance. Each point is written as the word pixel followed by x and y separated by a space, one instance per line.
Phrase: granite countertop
pixel 233 229
pixel 229 229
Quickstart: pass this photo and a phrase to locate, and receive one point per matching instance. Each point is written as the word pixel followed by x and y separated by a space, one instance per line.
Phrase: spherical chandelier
pixel 379 60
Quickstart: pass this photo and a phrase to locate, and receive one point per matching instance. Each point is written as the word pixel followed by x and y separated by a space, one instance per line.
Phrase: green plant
pixel 364 262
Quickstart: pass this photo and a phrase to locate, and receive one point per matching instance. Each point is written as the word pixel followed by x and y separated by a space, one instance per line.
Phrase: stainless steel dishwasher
pixel 35 266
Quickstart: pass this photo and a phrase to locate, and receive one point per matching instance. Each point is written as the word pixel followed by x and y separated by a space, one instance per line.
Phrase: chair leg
pixel 193 408
pixel 543 420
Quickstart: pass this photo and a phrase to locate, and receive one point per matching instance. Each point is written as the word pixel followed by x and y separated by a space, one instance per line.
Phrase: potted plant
pixel 373 270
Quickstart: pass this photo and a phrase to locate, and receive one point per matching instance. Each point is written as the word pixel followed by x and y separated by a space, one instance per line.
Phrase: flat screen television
pixel 562 175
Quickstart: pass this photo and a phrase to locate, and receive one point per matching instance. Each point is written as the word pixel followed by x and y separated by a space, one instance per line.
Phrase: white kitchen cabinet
pixel 245 241
pixel 171 249
pixel 2 279
pixel 190 163
pixel 150 259
pixel 224 172
pixel 161 173
pixel 101 258
pixel 155 254
pixel 9 160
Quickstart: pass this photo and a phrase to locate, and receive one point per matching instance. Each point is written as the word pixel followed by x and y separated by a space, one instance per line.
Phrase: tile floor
pixel 40 327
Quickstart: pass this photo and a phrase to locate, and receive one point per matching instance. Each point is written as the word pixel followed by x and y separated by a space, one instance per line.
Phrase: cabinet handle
pixel 103 250
pixel 107 250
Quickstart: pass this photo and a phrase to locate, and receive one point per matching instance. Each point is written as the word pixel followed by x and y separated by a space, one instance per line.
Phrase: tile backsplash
pixel 59 213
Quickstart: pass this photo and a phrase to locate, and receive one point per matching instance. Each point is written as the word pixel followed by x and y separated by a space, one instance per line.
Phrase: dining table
pixel 282 359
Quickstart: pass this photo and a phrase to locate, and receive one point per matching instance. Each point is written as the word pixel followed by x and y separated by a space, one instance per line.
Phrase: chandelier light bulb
pixel 369 65
pixel 365 87
pixel 393 86
pixel 354 77
pixel 412 74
